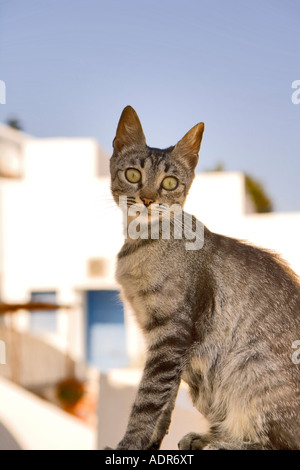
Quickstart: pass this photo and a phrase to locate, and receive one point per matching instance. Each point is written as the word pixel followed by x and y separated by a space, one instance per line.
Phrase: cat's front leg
pixel 158 386
pixel 162 426
pixel 150 416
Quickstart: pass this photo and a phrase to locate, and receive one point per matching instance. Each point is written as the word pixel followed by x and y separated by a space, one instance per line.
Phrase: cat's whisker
pixel 172 219
pixel 106 207
pixel 104 211
pixel 105 198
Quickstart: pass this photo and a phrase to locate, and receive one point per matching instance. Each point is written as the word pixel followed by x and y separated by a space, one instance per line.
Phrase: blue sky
pixel 70 66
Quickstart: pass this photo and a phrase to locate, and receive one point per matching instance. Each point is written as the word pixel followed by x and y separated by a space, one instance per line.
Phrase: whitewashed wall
pixel 38 425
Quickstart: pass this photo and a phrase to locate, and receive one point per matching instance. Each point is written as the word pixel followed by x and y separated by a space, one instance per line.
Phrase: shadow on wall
pixel 7 440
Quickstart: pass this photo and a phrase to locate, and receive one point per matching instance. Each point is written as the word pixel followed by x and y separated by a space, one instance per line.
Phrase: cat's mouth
pixel 155 210
pixel 130 201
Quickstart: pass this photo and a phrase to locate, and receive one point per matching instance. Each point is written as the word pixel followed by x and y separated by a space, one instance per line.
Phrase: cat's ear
pixel 188 147
pixel 129 131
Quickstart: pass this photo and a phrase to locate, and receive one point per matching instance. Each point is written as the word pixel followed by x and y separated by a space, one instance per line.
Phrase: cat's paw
pixel 193 441
pixel 135 442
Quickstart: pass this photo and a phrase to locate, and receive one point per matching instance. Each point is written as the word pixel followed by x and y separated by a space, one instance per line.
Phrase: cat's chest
pixel 147 282
pixel 139 270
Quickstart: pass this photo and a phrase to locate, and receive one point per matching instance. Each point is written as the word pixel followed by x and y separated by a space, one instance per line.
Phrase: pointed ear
pixel 188 147
pixel 129 130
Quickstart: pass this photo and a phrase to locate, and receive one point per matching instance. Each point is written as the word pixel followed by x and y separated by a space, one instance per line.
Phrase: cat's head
pixel 149 175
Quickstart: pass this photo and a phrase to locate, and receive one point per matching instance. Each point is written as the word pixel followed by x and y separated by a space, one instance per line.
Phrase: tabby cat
pixel 222 318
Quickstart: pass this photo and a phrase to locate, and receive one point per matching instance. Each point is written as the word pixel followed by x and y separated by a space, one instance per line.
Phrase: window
pixel 43 320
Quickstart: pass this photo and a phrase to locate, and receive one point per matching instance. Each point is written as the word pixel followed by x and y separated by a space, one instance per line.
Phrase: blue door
pixel 106 342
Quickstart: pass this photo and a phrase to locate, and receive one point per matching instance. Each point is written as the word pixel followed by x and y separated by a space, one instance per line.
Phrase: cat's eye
pixel 169 183
pixel 133 175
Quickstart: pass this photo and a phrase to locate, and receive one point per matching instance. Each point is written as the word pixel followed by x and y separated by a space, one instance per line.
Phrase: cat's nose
pixel 147 201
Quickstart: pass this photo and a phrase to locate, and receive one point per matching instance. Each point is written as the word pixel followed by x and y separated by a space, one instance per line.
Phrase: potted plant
pixel 69 392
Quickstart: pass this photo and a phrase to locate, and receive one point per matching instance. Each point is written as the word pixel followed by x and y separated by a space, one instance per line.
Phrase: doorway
pixel 106 335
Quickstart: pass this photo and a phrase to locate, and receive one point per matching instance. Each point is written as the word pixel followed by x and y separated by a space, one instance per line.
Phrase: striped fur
pixel 222 318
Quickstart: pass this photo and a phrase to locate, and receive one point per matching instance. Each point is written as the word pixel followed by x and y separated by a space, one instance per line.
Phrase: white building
pixel 60 232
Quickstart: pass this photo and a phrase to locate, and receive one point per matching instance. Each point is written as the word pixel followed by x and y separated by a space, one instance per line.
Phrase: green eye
pixel 133 175
pixel 170 183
